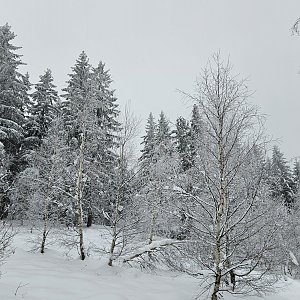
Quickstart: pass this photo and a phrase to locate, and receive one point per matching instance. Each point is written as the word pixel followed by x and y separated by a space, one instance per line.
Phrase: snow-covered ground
pixel 55 276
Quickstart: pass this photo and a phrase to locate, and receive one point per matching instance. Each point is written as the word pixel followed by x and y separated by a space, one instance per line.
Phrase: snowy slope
pixel 34 276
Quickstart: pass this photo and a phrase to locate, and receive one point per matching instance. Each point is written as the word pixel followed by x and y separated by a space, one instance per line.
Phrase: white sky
pixel 154 47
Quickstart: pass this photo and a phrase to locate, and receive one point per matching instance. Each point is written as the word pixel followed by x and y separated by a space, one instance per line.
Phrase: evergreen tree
pixel 13 101
pixel 183 143
pixel 25 88
pixel 107 108
pixel 157 143
pixel 12 89
pixel 90 113
pixel 103 185
pixel 44 107
pixel 296 177
pixel 78 93
pixel 163 135
pixel 148 140
pixel 159 162
pixel 281 178
pixel 195 133
pixel 78 116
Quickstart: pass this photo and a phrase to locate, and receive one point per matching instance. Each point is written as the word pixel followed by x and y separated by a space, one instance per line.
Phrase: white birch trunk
pixel 78 197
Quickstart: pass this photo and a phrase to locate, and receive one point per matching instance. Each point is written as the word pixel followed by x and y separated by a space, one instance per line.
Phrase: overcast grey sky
pixel 155 47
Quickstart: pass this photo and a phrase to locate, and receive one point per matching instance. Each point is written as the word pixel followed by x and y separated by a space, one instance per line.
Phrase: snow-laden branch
pixel 154 246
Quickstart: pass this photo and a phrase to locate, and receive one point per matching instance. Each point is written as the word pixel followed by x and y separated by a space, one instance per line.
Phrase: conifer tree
pixel 158 165
pixel 90 113
pixel 25 94
pixel 296 177
pixel 44 107
pixel 13 98
pixel 77 111
pixel 281 178
pixel 78 93
pixel 149 140
pixel 195 133
pixel 12 89
pixel 103 186
pixel 183 143
pixel 107 109
pixel 163 135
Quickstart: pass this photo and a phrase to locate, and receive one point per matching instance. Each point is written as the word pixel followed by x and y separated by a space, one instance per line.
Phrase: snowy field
pixel 58 275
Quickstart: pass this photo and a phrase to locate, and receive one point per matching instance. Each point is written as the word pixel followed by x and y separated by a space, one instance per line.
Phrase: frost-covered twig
pixel 20 286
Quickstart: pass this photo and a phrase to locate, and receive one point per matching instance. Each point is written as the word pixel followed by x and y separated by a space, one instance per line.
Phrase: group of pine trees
pixel 207 181
pixel 57 152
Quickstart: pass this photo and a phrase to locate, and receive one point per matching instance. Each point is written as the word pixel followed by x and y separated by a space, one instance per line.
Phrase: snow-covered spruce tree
pixel 232 230
pixel 290 228
pixel 148 142
pixel 158 216
pixel 13 95
pixel 159 161
pixel 42 111
pixel 197 127
pixel 78 115
pixel 188 141
pixel 288 250
pixel 89 112
pixel 296 179
pixel 105 155
pixel 188 138
pixel 25 93
pixel 187 151
pixel 147 160
pixel 281 181
pixel 183 142
pixel 163 134
pixel 158 174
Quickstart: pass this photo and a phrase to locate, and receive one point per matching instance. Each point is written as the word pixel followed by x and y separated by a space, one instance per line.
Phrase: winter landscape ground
pixel 61 275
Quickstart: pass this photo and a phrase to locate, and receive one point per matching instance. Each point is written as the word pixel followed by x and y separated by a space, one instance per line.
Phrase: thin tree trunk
pixel 78 197
pixel 80 231
pixel 112 247
pixel 114 229
pixel 217 285
pixel 89 218
pixel 220 209
pixel 113 242
pixel 116 213
pixel 46 214
pixel 152 227
pixel 45 230
pixel 231 280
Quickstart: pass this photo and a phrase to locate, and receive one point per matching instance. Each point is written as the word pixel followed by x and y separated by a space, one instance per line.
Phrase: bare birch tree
pixel 123 223
pixel 232 231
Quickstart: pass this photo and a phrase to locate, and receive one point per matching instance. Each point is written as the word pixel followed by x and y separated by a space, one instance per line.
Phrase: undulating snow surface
pixel 55 276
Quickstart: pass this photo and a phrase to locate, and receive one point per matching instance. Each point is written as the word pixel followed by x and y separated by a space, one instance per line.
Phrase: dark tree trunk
pixel 215 293
pixel 89 219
